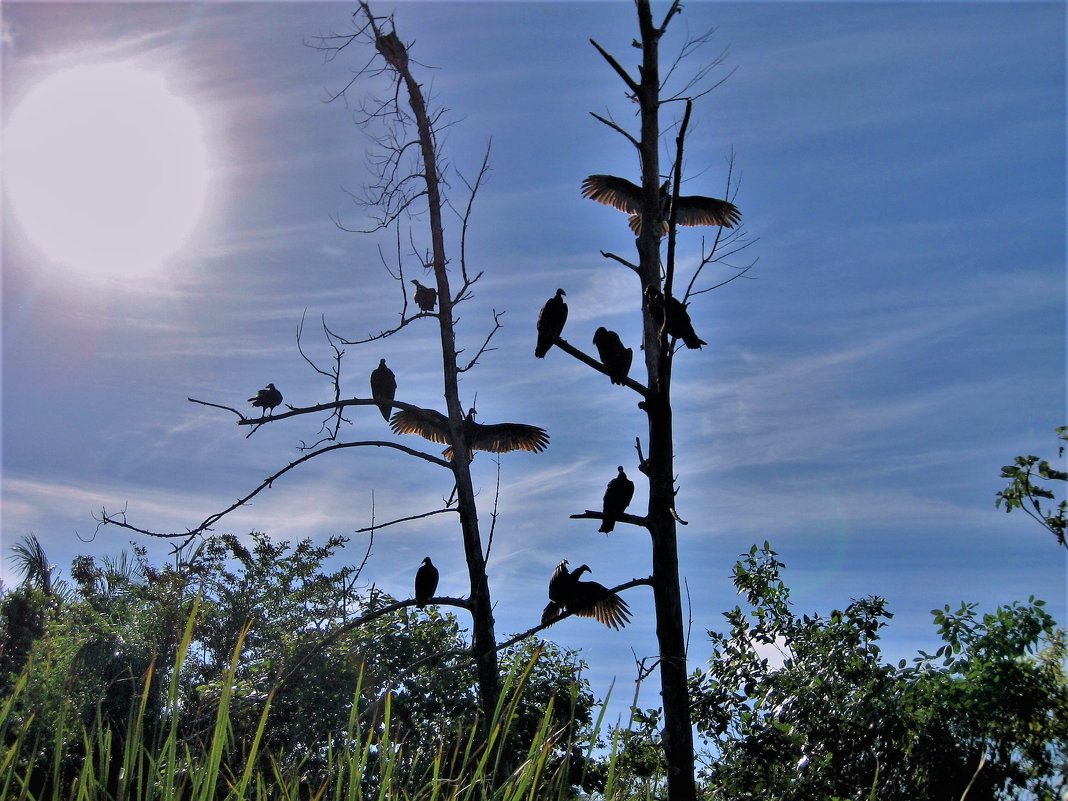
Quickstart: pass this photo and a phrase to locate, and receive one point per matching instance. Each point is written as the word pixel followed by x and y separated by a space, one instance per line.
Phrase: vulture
pixel 383 388
pixel 425 297
pixel 426 582
pixel 266 399
pixel 614 356
pixel 678 322
pixel 621 194
pixel 583 598
pixel 492 437
pixel 617 496
pixel 550 322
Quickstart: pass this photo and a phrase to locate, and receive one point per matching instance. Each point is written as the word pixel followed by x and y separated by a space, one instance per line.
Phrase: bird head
pixel 270 386
pixel 560 292
pixel 381 362
pixel 580 570
pixel 620 468
pixel 471 413
pixel 426 561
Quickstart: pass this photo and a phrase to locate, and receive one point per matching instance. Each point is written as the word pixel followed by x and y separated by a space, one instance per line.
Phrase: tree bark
pixel 677 733
pixel 483 636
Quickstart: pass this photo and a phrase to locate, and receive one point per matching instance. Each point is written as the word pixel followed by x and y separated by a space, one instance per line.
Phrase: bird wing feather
pixel 504 437
pixel 619 193
pixel 427 423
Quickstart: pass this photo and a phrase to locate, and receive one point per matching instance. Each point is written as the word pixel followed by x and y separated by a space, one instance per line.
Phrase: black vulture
pixel 426 582
pixel 678 322
pixel 383 388
pixel 266 399
pixel 583 598
pixel 621 194
pixel 614 356
pixel 617 497
pixel 492 437
pixel 550 322
pixel 425 297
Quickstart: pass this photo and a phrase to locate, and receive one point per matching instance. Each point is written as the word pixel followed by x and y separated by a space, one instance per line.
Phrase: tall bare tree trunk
pixel 483 637
pixel 670 629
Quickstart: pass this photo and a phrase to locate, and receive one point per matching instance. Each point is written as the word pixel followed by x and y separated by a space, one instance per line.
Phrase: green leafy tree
pixel 801 707
pixel 1030 485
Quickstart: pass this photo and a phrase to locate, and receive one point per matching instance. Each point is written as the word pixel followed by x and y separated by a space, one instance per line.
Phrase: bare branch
pixel 206 525
pixel 375 527
pixel 630 82
pixel 571 350
pixel 634 520
pixel 617 128
pixel 484 348
pixel 621 260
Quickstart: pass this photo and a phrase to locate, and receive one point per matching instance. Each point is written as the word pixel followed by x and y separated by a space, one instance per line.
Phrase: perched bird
pixel 617 497
pixel 692 210
pixel 266 399
pixel 426 582
pixel 613 355
pixel 550 322
pixel 678 322
pixel 583 598
pixel 425 297
pixel 383 388
pixel 492 437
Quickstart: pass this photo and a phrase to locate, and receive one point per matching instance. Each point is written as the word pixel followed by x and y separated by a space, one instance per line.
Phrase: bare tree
pixel 657 208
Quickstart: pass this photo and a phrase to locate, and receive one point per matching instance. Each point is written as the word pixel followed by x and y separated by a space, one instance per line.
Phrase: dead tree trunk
pixel 667 598
pixel 483 637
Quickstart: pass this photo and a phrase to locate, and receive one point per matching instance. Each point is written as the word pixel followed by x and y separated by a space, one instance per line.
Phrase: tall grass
pixel 365 764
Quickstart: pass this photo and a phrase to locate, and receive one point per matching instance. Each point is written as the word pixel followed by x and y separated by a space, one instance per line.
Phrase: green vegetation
pixel 238 672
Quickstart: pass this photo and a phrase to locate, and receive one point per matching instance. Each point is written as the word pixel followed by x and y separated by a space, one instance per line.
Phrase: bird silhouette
pixel 266 399
pixel 491 437
pixel 678 323
pixel 550 323
pixel 426 582
pixel 617 497
pixel 383 388
pixel 425 297
pixel 614 356
pixel 583 598
pixel 692 210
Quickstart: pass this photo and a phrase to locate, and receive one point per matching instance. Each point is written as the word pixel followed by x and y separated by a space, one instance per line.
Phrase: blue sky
pixel 902 175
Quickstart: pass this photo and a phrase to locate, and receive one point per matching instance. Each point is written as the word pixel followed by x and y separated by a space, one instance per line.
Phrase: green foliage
pixel 802 707
pixel 365 762
pixel 1029 487
pixel 249 625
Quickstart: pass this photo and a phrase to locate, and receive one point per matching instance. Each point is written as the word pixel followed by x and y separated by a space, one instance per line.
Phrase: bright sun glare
pixel 106 169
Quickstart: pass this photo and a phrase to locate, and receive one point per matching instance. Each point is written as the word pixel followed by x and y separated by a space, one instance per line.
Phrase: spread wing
pixel 701 210
pixel 591 599
pixel 427 423
pixel 618 193
pixel 504 437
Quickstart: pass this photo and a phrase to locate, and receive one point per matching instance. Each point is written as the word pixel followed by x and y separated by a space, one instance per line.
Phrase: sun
pixel 106 169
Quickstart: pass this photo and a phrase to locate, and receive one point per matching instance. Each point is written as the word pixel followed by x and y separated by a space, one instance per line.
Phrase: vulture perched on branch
pixel 383 388
pixel 425 297
pixel 266 399
pixel 583 598
pixel 492 437
pixel 426 582
pixel 678 323
pixel 621 194
pixel 614 356
pixel 550 323
pixel 617 497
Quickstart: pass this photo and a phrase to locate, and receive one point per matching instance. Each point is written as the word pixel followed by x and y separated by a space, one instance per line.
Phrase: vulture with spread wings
pixel 692 210
pixel 491 437
pixel 583 598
